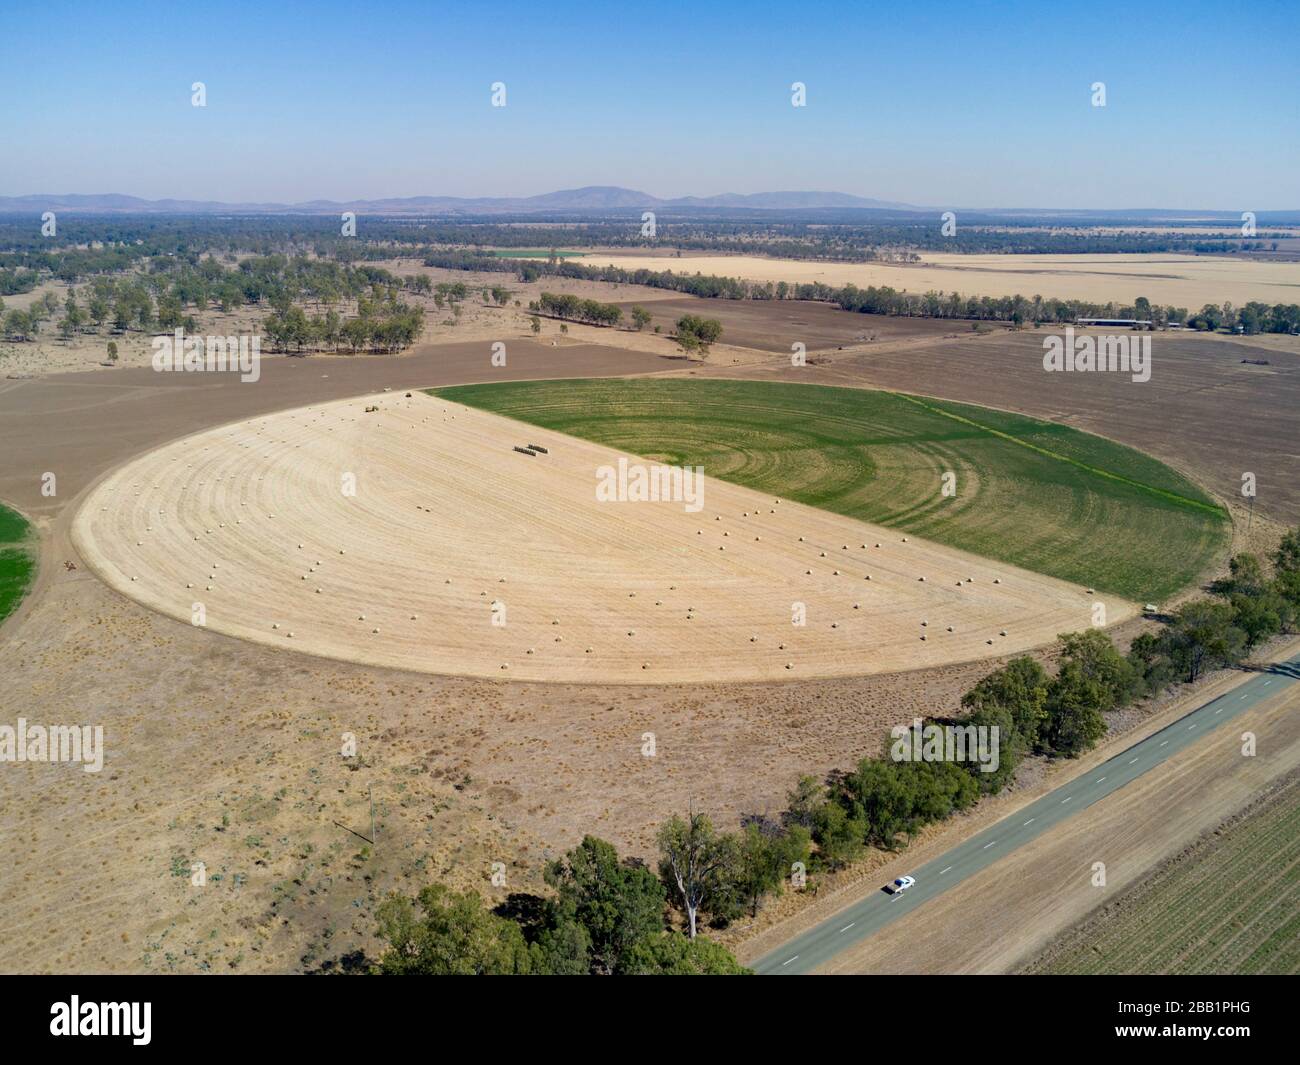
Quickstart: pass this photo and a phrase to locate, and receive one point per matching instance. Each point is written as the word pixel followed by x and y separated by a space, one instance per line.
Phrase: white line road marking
pixel 785 963
pixel 1166 741
pixel 1067 798
pixel 1029 822
pixel 1268 682
pixel 1131 761
pixel 1219 711
pixel 1099 780
pixel 1190 727
pixel 987 845
pixel 848 926
pixel 1243 697
pixel 942 871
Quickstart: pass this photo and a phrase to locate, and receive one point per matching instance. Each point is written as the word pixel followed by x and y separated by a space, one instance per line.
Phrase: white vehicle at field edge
pixel 900 885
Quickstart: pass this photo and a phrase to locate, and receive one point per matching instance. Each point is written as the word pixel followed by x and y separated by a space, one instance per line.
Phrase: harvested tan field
pixel 457 554
pixel 1189 281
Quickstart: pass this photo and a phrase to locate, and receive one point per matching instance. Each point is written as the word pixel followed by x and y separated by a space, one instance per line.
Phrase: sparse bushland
pixel 89 247
pixel 174 290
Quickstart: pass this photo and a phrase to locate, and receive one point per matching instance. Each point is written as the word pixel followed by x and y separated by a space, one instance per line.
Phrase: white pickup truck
pixel 900 885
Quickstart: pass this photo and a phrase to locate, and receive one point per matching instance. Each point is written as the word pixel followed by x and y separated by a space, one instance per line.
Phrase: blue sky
pixel 961 104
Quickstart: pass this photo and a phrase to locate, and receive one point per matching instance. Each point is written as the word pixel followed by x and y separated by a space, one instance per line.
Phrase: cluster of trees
pixel 1014 309
pixel 883 802
pixel 172 290
pixel 696 334
pixel 15 281
pixel 577 309
pixel 606 917
pixel 29 258
pixel 89 244
pixel 449 294
pixel 1243 610
pixel 20 324
pixel 383 323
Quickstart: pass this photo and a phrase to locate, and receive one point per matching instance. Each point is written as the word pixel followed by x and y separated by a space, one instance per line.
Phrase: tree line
pixel 577 309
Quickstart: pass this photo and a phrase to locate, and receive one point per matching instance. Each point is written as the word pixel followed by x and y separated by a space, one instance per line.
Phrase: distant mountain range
pixel 590 198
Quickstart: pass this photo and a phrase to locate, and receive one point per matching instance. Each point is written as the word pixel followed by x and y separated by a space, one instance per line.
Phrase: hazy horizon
pixel 288 206
pixel 908 106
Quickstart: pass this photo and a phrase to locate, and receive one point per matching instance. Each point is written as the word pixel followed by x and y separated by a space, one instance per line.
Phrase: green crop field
pixel 1230 904
pixel 17 560
pixel 1039 495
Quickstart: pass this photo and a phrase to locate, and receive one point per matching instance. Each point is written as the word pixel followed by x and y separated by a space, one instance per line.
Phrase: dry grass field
pixel 50 353
pixel 1179 280
pixel 414 536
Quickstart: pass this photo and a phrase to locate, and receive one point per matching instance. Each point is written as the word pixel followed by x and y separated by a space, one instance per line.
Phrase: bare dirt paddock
pixel 228 751
pixel 415 536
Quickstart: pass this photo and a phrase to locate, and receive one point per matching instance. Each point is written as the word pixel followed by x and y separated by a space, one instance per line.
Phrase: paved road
pixel 816 946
